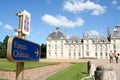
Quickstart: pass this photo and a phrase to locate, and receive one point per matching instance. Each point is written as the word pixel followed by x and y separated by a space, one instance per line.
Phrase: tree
pixel 4 47
pixel 43 51
pixel 0 47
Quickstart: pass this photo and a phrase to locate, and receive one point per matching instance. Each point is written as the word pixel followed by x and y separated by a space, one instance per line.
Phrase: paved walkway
pixel 116 67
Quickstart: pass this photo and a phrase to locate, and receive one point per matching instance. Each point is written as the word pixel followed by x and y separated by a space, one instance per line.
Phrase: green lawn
pixel 11 66
pixel 75 72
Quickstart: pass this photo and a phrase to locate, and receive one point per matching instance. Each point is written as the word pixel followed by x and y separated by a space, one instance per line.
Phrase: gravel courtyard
pixel 43 72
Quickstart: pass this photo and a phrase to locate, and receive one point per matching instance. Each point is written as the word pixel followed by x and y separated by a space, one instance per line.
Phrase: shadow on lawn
pixel 84 72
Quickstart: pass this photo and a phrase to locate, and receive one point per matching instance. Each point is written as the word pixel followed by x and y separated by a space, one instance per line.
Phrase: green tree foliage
pixel 0 47
pixel 3 49
pixel 43 51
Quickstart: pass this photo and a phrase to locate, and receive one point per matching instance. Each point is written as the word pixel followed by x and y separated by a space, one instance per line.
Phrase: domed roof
pixel 100 37
pixel 116 32
pixel 56 35
pixel 74 37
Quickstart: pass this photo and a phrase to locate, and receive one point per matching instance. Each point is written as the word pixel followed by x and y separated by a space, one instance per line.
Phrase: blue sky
pixel 72 16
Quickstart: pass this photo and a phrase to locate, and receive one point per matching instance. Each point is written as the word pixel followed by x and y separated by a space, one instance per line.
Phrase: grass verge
pixel 75 72
pixel 11 66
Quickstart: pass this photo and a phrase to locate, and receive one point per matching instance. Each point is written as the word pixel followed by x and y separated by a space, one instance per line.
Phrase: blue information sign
pixel 21 50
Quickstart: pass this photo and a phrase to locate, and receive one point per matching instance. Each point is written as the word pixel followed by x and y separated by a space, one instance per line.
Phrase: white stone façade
pixel 60 47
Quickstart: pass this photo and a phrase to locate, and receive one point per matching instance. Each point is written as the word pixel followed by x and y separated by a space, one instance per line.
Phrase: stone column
pixel 105 72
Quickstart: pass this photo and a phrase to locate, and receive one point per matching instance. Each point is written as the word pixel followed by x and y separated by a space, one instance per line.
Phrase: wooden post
pixel 20 71
pixel 89 66
pixel 20 65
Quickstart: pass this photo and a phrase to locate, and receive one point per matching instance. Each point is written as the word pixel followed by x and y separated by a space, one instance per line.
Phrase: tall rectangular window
pixel 96 47
pixel 106 54
pixel 61 54
pixel 101 47
pixel 101 54
pixel 55 54
pixel 69 55
pixel 105 47
pixel 49 54
pixel 87 46
pixel 96 54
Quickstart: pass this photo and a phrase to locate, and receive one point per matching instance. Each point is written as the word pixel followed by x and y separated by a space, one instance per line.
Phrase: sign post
pixel 19 49
pixel 20 65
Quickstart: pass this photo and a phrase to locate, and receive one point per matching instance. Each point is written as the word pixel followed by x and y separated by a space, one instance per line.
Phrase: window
pixel 76 41
pixel 49 45
pixel 79 54
pixel 114 46
pixel 101 54
pixel 74 54
pixel 96 47
pixel 96 54
pixel 101 47
pixel 49 54
pixel 61 47
pixel 87 53
pixel 69 54
pixel 106 47
pixel 61 54
pixel 106 54
pixel 69 47
pixel 55 54
pixel 74 47
pixel 87 46
pixel 55 46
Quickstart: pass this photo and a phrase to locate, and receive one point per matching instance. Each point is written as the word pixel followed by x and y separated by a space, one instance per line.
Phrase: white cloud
pixel 1 24
pixel 114 2
pixel 77 6
pixel 118 7
pixel 8 27
pixel 94 32
pixel 61 21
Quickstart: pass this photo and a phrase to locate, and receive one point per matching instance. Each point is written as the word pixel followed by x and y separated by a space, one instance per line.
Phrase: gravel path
pixel 35 74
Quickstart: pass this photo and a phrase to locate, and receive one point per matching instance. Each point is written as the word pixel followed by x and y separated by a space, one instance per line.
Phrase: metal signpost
pixel 19 49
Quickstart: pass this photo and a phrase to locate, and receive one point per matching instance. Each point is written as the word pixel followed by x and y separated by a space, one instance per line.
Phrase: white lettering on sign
pixel 20 54
pixel 20 46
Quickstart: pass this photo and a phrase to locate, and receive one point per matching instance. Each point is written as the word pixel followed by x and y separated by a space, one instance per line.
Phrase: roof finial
pixel 57 29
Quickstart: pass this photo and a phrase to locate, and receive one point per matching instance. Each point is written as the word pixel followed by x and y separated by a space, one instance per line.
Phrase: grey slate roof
pixel 100 37
pixel 116 32
pixel 74 37
pixel 56 35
